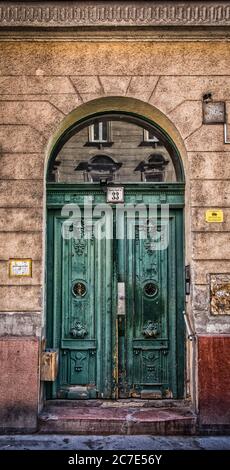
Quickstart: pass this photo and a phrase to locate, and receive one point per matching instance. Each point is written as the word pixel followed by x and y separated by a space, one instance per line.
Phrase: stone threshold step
pixel 119 403
pixel 105 420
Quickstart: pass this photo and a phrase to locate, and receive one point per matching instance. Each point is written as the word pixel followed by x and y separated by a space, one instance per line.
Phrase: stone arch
pixel 118 104
pixel 144 111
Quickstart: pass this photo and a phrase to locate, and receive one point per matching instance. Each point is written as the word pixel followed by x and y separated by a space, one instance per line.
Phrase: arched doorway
pixel 115 290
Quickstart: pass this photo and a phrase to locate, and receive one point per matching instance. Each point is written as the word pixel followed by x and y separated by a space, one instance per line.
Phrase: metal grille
pixel 150 289
pixel 79 289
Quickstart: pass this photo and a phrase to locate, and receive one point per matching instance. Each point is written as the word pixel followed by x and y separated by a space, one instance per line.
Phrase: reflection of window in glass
pixel 129 158
pixel 149 136
pixel 99 132
pixel 153 169
pixel 99 168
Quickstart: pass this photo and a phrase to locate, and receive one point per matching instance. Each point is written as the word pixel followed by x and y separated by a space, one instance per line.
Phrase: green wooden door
pixel 81 313
pixel 115 304
pixel 148 331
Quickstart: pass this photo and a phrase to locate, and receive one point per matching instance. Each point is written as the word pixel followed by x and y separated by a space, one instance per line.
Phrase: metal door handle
pixel 120 298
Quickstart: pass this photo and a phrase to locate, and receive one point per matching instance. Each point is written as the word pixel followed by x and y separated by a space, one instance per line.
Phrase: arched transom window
pixel 115 148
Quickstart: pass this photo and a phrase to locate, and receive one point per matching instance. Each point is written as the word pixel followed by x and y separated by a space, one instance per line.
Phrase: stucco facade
pixel 49 78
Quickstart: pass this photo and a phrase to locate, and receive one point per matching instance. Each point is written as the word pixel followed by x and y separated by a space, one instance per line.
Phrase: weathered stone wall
pixel 40 83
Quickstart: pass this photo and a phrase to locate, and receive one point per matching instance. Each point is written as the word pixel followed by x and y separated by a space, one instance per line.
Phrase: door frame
pixel 151 116
pixel 58 194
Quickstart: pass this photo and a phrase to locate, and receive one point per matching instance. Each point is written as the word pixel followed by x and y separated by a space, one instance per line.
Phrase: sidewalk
pixel 70 442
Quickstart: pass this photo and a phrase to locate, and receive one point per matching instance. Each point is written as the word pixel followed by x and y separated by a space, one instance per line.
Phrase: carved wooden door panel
pixel 82 314
pixel 147 333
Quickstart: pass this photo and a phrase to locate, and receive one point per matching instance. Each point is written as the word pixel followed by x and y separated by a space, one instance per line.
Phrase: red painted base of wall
pixel 18 384
pixel 214 380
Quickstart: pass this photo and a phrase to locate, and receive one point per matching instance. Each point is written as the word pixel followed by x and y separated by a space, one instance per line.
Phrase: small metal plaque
pixel 214 112
pixel 20 267
pixel 214 215
pixel 115 195
pixel 121 298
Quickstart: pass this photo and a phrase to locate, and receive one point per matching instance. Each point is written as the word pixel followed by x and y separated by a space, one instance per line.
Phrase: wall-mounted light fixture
pixel 214 112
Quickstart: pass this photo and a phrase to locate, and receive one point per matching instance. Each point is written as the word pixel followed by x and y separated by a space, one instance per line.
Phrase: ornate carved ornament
pixel 127 13
pixel 78 330
pixel 151 329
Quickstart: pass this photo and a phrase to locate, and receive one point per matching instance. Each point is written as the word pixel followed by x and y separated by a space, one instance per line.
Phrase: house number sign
pixel 20 267
pixel 115 195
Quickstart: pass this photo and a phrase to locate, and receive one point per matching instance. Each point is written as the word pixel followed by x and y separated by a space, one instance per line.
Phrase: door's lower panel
pixel 150 372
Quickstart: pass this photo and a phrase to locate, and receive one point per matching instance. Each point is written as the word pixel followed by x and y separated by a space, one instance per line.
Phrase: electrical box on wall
pixel 49 365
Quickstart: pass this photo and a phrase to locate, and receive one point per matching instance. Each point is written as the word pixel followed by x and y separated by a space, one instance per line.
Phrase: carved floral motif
pixel 79 246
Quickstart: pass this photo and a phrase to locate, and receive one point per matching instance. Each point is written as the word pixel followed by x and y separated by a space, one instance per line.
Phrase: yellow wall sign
pixel 20 267
pixel 214 215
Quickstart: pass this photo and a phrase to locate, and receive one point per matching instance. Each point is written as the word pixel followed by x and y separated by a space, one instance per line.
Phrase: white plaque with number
pixel 115 194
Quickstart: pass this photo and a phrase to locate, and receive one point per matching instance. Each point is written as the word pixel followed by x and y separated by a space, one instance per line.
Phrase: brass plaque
pixel 214 215
pixel 20 267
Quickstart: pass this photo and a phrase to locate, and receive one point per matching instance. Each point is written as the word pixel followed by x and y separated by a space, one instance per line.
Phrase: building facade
pixel 104 105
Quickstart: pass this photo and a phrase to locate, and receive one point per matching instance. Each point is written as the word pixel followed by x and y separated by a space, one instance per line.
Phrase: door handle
pixel 120 298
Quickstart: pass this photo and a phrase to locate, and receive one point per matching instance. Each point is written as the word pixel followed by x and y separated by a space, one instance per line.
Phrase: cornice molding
pixel 56 14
